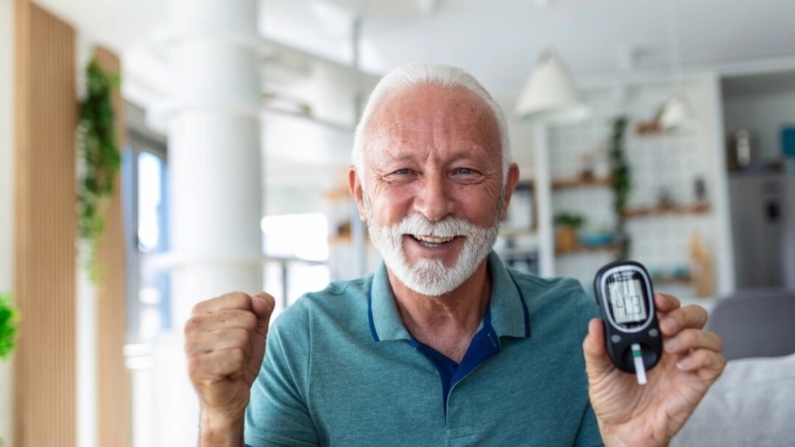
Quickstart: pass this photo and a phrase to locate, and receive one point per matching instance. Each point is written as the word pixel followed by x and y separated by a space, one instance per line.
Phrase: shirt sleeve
pixel 277 414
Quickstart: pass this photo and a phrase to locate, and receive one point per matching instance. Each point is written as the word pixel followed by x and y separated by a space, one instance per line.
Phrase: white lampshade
pixel 550 92
pixel 676 113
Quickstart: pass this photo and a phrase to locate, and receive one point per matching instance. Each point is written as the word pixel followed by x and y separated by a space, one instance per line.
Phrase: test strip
pixel 640 370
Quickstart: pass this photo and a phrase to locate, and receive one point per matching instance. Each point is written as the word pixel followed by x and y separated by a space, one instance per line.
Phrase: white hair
pixel 417 74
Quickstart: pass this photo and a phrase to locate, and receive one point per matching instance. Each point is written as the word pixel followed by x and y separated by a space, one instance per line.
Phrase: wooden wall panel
pixel 45 253
pixel 114 387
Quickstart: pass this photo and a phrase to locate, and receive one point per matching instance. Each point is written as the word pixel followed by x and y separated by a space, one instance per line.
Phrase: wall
pixel 663 161
pixel 114 388
pixel 6 194
pixel 760 104
pixel 45 228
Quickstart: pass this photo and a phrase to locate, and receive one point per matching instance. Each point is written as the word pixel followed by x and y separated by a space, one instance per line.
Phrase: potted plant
pixel 8 325
pixel 566 231
pixel 8 329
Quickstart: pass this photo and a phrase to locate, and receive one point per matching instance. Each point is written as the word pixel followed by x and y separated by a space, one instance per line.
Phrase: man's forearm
pixel 218 432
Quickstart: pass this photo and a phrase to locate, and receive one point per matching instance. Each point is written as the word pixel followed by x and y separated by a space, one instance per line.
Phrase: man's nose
pixel 433 199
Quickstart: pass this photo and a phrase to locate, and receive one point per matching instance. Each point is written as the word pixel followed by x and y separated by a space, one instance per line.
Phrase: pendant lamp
pixel 550 93
pixel 676 112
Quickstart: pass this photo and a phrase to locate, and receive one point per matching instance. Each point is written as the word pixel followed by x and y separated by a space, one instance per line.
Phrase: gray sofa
pixel 753 403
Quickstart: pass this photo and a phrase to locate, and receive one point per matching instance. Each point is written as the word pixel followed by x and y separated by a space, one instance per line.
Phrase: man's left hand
pixel 650 415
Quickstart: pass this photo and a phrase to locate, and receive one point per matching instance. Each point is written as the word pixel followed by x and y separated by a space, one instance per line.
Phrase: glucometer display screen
pixel 627 301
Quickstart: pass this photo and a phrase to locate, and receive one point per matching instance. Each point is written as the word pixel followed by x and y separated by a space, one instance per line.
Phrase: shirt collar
pixel 509 316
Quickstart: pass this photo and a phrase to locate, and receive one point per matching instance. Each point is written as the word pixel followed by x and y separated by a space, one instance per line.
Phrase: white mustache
pixel 417 224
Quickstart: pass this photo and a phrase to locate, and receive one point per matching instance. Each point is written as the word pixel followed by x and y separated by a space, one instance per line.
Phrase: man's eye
pixel 403 171
pixel 464 171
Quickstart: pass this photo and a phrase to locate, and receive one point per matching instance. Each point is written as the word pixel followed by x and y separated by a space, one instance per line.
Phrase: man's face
pixel 433 185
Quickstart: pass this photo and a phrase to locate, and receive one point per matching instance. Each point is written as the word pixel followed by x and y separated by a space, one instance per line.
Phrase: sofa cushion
pixel 751 404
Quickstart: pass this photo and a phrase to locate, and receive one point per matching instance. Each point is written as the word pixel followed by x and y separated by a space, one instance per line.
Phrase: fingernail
pixel 671 345
pixel 668 324
pixel 685 363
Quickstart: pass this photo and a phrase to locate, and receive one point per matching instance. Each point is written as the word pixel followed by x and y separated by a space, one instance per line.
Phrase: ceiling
pixel 497 40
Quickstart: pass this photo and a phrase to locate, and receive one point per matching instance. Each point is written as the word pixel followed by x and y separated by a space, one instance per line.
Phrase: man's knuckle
pixel 236 357
pixel 243 337
pixel 197 308
pixel 193 347
pixel 240 299
pixel 192 326
pixel 249 321
pixel 195 368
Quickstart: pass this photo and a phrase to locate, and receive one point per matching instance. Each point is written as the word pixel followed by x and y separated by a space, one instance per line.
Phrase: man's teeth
pixel 433 240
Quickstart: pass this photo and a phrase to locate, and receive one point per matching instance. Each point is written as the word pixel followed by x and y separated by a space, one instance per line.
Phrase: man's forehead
pixel 428 99
pixel 416 110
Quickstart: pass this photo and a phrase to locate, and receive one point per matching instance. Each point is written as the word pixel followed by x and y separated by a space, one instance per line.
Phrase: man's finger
pixel 228 318
pixel 218 340
pixel 234 300
pixel 666 303
pixel 690 339
pixel 691 316
pixel 215 366
pixel 593 347
pixel 263 305
pixel 709 363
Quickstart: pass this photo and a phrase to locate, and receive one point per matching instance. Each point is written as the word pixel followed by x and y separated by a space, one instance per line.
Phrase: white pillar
pixel 215 199
pixel 543 192
pixel 214 153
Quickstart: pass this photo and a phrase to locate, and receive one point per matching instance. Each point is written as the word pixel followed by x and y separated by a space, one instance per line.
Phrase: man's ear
pixel 510 187
pixel 355 187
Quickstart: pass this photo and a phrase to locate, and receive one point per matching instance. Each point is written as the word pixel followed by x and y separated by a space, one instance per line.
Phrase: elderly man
pixel 442 345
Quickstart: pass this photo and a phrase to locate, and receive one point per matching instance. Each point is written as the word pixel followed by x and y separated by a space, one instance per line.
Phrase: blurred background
pixel 660 130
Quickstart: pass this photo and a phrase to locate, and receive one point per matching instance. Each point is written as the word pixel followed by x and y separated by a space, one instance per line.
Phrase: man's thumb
pixel 263 305
pixel 596 359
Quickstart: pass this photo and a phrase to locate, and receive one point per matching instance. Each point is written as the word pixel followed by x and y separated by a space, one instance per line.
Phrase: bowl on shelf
pixel 596 238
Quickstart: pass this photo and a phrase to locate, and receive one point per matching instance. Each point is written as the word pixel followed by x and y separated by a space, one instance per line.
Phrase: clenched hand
pixel 225 345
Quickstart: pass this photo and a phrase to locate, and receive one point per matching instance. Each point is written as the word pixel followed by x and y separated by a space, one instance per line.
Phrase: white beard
pixel 431 277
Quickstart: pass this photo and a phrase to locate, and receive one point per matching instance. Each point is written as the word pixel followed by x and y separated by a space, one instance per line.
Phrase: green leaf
pixel 9 317
pixel 101 157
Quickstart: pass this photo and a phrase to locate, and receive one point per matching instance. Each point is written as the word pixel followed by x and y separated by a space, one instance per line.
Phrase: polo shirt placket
pixel 505 316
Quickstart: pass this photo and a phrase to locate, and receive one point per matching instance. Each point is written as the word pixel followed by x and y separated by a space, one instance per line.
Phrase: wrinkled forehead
pixel 423 109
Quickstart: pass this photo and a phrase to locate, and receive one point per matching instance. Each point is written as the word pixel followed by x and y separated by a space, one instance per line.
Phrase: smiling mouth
pixel 431 241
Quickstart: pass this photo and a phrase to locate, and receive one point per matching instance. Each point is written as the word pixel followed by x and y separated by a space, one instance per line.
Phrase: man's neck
pixel 446 323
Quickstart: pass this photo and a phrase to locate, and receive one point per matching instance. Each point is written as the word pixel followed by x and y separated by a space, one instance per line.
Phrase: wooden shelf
pixel 581 249
pixel 699 208
pixel 337 194
pixel 672 280
pixel 581 182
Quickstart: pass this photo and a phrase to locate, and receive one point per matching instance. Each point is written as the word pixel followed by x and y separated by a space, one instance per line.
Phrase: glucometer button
pixel 615 338
pixel 653 333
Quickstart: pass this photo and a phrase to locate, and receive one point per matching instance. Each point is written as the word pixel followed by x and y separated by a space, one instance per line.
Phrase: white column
pixel 213 124
pixel 214 153
pixel 546 235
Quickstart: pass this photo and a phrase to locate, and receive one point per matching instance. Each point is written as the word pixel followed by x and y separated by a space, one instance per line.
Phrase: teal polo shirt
pixel 341 369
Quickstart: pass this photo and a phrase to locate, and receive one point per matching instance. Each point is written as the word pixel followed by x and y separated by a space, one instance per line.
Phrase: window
pixel 296 249
pixel 145 173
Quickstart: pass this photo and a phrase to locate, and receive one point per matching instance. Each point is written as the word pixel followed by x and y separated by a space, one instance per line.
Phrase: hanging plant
pixel 621 186
pixel 8 325
pixel 100 159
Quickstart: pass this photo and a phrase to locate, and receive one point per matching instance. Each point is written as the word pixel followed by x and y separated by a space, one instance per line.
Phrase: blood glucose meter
pixel 632 334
